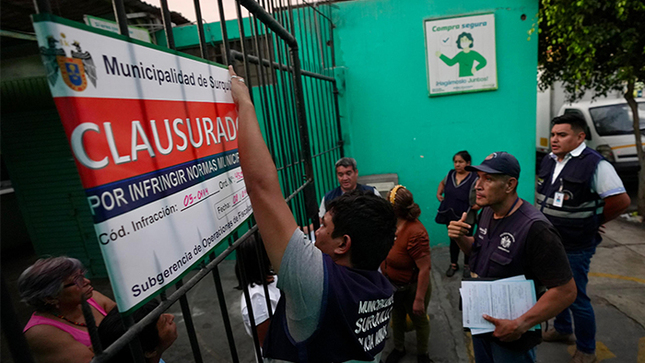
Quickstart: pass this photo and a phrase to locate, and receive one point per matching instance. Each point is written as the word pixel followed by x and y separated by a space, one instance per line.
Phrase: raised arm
pixel 274 218
pixel 449 61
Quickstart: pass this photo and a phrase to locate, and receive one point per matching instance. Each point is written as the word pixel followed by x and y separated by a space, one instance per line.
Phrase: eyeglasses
pixel 78 280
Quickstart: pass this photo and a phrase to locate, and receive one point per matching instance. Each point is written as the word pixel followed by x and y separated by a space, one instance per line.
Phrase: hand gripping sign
pixel 154 137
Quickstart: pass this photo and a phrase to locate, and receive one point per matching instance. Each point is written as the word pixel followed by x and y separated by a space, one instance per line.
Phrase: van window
pixel 616 119
pixel 574 111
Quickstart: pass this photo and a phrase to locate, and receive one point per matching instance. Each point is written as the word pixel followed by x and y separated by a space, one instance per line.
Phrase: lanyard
pixel 492 233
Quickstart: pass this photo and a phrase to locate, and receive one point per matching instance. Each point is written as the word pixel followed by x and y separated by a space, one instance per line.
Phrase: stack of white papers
pixel 502 299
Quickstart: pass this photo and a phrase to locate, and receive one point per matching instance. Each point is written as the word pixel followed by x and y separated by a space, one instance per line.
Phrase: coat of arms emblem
pixel 74 70
pixel 506 240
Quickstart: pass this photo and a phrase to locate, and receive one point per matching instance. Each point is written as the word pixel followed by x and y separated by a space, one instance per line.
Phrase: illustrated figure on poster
pixel 466 58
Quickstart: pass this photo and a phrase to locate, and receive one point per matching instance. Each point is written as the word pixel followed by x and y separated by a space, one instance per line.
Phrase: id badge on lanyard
pixel 558 198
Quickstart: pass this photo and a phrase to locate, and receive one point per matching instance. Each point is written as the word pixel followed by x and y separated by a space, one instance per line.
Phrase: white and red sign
pixel 154 137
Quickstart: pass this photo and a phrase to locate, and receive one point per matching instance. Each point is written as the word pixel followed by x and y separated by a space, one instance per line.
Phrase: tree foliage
pixel 597 46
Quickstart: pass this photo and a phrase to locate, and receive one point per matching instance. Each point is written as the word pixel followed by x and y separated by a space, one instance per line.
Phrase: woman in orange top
pixel 407 266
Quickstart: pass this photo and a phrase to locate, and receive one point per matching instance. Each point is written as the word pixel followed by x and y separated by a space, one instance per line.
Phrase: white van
pixel 610 129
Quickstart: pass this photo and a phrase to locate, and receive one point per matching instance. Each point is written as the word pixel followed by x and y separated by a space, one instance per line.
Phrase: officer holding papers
pixel 513 238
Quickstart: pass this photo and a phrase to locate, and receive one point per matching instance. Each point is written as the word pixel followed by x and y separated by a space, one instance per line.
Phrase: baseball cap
pixel 499 162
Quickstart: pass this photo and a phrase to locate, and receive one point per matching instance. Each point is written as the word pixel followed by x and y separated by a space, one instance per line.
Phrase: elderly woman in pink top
pixel 57 331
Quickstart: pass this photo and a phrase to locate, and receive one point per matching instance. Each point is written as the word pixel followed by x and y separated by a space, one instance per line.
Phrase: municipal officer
pixel 513 238
pixel 335 305
pixel 578 191
pixel 347 175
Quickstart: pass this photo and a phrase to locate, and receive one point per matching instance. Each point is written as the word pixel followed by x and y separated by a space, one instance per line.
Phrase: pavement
pixel 616 287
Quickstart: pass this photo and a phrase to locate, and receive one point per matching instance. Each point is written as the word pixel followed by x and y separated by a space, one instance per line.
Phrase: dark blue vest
pixel 355 312
pixel 581 213
pixel 337 192
pixel 499 252
pixel 456 200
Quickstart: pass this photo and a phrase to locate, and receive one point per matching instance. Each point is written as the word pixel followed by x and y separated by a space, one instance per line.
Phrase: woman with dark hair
pixel 407 266
pixel 252 258
pixel 57 331
pixel 466 58
pixel 456 194
pixel 155 337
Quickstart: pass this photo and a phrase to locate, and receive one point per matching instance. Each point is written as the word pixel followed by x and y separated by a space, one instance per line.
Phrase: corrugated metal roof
pixel 15 15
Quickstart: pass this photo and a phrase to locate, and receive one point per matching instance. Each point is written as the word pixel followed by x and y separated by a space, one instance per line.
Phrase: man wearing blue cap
pixel 513 238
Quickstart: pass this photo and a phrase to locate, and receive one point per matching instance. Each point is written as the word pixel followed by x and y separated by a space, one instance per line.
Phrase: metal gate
pixel 287 57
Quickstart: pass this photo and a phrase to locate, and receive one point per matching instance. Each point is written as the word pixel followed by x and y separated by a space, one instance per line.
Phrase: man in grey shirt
pixel 335 305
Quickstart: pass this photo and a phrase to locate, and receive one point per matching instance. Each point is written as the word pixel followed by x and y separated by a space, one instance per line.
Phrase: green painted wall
pixel 47 186
pixel 390 125
pixel 186 36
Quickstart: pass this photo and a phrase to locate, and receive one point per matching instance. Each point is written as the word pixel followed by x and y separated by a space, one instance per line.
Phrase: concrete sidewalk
pixel 617 289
